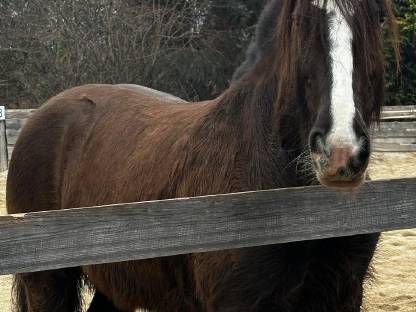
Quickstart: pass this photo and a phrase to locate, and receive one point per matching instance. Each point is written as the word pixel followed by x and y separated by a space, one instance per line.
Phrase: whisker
pixel 360 121
pixel 296 159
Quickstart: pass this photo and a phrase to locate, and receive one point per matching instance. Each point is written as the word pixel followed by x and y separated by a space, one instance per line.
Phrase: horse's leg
pixel 48 291
pixel 173 303
pixel 100 303
pixel 318 276
pixel 336 275
pixel 19 303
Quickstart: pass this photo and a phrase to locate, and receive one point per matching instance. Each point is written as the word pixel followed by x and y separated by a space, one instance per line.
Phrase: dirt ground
pixel 394 286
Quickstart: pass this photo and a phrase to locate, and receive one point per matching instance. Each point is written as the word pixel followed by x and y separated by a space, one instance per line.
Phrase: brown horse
pixel 305 98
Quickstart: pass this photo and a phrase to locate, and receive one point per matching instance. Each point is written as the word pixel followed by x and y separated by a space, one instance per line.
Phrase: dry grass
pixel 394 286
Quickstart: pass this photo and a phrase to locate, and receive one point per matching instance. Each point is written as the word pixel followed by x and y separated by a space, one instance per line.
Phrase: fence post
pixel 3 140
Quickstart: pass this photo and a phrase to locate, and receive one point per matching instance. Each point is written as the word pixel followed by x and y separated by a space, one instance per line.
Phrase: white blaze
pixel 342 96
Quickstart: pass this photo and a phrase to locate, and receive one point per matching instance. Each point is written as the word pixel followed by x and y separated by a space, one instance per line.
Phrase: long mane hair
pixel 284 29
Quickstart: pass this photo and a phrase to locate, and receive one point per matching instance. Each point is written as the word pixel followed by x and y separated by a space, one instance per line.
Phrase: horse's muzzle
pixel 341 167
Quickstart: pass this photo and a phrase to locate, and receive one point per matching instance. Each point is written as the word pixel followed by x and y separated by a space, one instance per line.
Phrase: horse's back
pixel 96 137
pixel 151 92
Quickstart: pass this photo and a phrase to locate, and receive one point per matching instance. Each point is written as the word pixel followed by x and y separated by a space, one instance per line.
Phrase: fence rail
pixel 396 132
pixel 399 112
pixel 66 238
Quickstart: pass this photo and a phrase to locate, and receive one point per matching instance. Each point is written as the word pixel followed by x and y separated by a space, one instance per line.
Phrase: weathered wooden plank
pixel 55 239
pixel 400 140
pixel 399 117
pixel 19 113
pixel 13 128
pixel 402 129
pixel 399 108
pixel 399 112
pixel 12 136
pixel 393 148
pixel 15 124
pixel 15 121
pixel 10 149
pixel 394 144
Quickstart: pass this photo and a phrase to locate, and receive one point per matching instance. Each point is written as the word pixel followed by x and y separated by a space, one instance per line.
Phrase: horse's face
pixel 341 69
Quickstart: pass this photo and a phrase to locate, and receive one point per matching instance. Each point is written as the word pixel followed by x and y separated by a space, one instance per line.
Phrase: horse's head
pixel 333 51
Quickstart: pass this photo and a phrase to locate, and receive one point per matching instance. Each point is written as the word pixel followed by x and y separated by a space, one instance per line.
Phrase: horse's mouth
pixel 341 183
pixel 342 177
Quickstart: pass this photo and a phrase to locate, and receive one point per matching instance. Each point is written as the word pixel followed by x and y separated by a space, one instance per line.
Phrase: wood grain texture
pixel 10 151
pixel 399 112
pixel 399 108
pixel 395 137
pixel 19 113
pixel 67 238
pixel 403 129
pixel 12 136
pixel 390 145
pixel 15 124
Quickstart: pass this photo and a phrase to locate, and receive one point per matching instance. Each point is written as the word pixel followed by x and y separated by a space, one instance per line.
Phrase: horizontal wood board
pixel 399 112
pixel 389 128
pixel 74 237
pixel 395 129
pixel 19 113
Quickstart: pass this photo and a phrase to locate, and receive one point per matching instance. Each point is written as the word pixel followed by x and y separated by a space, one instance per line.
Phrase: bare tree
pixel 178 46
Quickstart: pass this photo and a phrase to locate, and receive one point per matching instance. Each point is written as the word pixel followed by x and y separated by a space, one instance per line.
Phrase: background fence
pixel 396 132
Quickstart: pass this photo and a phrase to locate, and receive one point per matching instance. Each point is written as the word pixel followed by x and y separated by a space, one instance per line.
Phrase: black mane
pixel 263 40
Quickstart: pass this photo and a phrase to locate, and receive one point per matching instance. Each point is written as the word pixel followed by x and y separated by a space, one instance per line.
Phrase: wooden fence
pixel 66 238
pixel 397 130
pixel 396 133
pixel 57 239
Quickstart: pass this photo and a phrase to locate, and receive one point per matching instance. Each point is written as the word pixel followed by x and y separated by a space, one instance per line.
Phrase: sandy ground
pixel 394 286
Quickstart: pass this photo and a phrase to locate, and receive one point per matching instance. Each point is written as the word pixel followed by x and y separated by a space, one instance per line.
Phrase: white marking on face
pixel 342 96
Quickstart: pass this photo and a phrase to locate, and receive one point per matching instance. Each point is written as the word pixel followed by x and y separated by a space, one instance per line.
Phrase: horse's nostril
pixel 316 141
pixel 343 172
pixel 339 160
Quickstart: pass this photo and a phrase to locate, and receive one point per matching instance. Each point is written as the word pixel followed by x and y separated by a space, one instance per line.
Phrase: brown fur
pixel 101 144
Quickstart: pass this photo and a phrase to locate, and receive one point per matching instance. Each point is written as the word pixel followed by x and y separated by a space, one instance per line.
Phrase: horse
pixel 299 112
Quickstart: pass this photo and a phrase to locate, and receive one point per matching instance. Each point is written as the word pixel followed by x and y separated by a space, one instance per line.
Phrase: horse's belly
pixel 137 284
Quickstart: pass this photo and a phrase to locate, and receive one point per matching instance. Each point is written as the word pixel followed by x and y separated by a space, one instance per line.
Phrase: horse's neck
pixel 246 118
